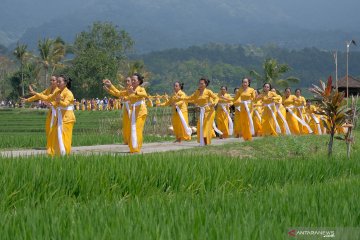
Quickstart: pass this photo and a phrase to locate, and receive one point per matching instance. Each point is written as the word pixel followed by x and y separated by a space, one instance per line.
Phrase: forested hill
pixel 228 64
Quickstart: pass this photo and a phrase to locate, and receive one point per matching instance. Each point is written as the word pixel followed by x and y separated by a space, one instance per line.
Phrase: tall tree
pixel 44 47
pixel 20 53
pixel 7 67
pixel 60 49
pixel 51 53
pixel 99 53
pixel 272 73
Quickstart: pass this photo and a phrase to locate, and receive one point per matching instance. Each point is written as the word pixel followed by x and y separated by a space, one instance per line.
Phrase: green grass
pixel 25 128
pixel 284 147
pixel 192 194
pixel 251 190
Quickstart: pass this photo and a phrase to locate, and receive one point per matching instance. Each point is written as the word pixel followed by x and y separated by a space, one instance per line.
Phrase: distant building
pixel 354 85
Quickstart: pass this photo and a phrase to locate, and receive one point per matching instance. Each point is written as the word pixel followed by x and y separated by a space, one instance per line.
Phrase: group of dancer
pixel 60 119
pixel 264 113
pixel 110 104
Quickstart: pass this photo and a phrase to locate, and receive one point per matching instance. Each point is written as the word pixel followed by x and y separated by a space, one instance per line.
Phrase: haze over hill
pixel 161 24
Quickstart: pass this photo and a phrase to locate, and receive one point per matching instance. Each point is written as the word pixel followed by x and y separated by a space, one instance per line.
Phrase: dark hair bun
pixel 67 80
pixel 207 81
pixel 139 77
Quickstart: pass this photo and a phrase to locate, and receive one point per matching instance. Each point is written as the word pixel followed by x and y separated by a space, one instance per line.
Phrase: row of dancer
pixel 256 114
pixel 109 104
pixel 261 114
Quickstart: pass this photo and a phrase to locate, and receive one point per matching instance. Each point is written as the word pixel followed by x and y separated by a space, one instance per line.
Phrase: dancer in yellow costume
pixel 205 99
pixel 179 120
pixel 60 135
pixel 288 101
pixel 257 112
pixel 313 119
pixel 136 96
pixel 83 103
pixel 157 100
pixel 111 89
pixel 88 105
pixel 300 104
pixel 281 115
pixel 223 119
pixel 52 112
pixel 237 109
pixel 269 123
pixel 77 104
pixel 246 95
pixel 149 102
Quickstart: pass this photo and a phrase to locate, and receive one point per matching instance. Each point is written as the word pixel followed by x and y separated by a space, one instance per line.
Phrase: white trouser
pixel 201 119
pixel 286 125
pixel 301 121
pixel 53 115
pixel 317 123
pixel 127 108
pixel 133 123
pixel 246 105
pixel 278 129
pixel 257 114
pixel 60 127
pixel 231 124
pixel 183 122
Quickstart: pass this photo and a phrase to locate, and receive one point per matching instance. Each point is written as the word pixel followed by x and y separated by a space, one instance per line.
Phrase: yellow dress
pixel 180 131
pixel 83 106
pixel 46 92
pixel 237 125
pixel 137 102
pixel 149 102
pixel 60 135
pixel 281 117
pixel 77 105
pixel 88 105
pixel 257 112
pixel 222 117
pixel 202 101
pixel 313 119
pixel 157 101
pixel 268 118
pixel 245 118
pixel 288 103
pixel 300 104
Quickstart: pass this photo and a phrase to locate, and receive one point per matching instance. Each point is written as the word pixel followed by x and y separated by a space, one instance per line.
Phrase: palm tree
pixel 131 68
pixel 51 53
pixel 45 48
pixel 58 53
pixel 20 53
pixel 273 72
pixel 32 70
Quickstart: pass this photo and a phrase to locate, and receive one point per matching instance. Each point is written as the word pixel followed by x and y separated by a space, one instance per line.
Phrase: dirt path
pixel 120 149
